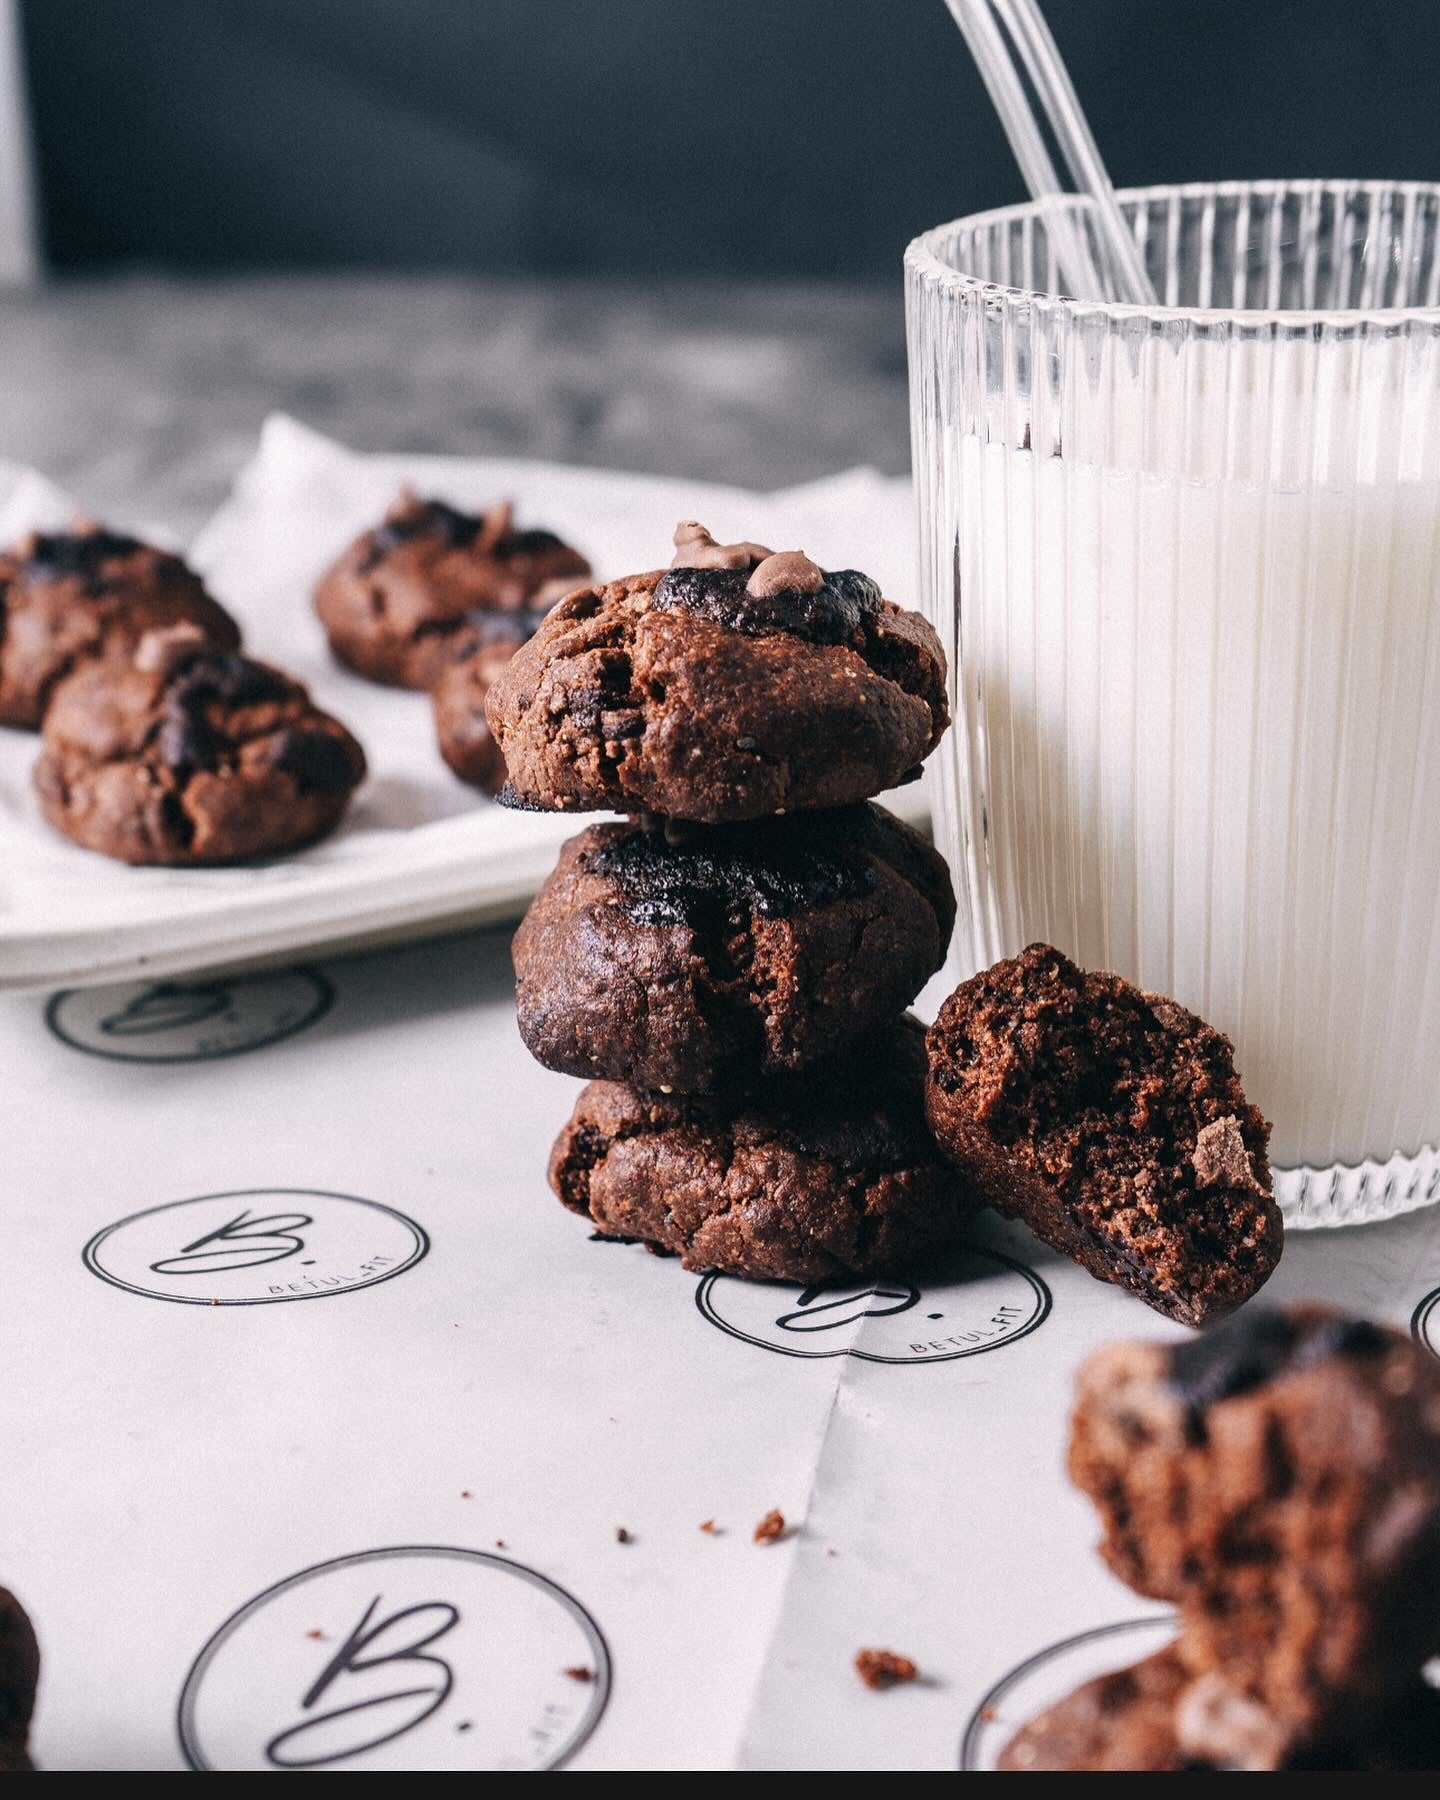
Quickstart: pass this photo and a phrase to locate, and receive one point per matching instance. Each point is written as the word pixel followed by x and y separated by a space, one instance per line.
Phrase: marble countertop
pixel 143 394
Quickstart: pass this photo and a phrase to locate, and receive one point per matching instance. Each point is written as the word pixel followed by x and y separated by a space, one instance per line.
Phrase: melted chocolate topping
pixel 434 519
pixel 186 740
pixel 1256 1347
pixel 63 555
pixel 829 616
pixel 717 873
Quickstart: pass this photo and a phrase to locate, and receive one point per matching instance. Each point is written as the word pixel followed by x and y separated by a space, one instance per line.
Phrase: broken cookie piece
pixel 1113 1124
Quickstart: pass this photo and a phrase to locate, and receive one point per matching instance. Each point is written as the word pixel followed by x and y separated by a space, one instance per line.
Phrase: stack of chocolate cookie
pixel 1276 1480
pixel 731 966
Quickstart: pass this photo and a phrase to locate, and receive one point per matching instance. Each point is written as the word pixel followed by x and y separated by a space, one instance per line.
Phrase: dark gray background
pixel 805 138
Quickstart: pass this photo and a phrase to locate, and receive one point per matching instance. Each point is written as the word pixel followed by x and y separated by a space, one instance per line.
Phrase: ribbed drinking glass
pixel 1185 561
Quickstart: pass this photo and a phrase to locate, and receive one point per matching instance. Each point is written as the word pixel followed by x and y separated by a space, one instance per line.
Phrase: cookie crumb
pixel 622 1536
pixel 771 1528
pixel 500 1544
pixel 465 1494
pixel 710 1528
pixel 318 1635
pixel 882 1669
pixel 580 1673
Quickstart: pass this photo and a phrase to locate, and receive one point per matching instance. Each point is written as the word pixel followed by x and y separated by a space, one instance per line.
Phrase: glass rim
pixel 923 259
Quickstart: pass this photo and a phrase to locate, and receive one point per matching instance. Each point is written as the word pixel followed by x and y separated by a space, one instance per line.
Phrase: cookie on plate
pixel 397 603
pixel 86 592
pixel 733 685
pixel 19 1674
pixel 732 954
pixel 462 731
pixel 1278 1480
pixel 1113 1124
pixel 827 1174
pixel 185 755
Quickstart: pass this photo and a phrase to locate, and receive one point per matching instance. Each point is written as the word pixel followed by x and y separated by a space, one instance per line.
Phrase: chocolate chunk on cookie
pixel 462 731
pixel 1113 1124
pixel 400 601
pixel 732 954
pixel 732 686
pixel 186 755
pixel 89 592
pixel 828 1174
pixel 1278 1480
pixel 19 1675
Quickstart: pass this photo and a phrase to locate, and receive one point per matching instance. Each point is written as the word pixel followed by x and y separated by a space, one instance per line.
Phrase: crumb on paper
pixel 882 1669
pixel 989 1714
pixel 465 1494
pixel 771 1528
pixel 318 1635
pixel 710 1528
pixel 500 1544
pixel 580 1673
pixel 622 1536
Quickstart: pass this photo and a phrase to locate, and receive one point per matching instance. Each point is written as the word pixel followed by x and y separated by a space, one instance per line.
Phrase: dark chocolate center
pixel 828 616
pixel 716 873
pixel 65 555
pixel 317 759
pixel 186 740
pixel 1256 1347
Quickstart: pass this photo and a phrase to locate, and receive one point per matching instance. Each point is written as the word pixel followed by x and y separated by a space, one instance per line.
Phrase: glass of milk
pixel 1185 561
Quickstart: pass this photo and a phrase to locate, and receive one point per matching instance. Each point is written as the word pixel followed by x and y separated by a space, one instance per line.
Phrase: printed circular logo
pixel 421 1657
pixel 1051 1674
pixel 256 1246
pixel 979 1300
pixel 189 1021
pixel 1425 1323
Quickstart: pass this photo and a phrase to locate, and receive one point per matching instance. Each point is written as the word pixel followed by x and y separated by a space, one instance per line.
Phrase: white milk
pixel 1200 733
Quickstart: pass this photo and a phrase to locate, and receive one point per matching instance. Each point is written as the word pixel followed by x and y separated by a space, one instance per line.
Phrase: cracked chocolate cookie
pixel 829 1174
pixel 400 601
pixel 462 731
pixel 1278 1480
pixel 19 1674
pixel 1113 1124
pixel 732 954
pixel 185 755
pixel 66 596
pixel 734 685
pixel 1158 1717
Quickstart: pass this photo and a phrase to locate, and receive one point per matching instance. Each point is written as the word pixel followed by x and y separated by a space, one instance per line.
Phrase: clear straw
pixel 1011 43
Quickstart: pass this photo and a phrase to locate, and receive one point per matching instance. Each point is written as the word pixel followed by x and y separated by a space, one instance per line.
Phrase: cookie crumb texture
pixel 215 759
pixel 1113 1124
pixel 829 1174
pixel 738 953
pixel 404 596
pixel 1278 1481
pixel 66 597
pixel 883 1669
pixel 681 693
pixel 771 1528
pixel 19 1675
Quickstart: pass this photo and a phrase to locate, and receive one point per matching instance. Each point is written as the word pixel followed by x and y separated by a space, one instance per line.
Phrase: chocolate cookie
pixel 398 602
pixel 1113 1124
pixel 1159 1717
pixel 831 1174
pixel 87 592
pixel 184 755
pixel 734 685
pixel 19 1674
pixel 458 696
pixel 1278 1480
pixel 732 954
